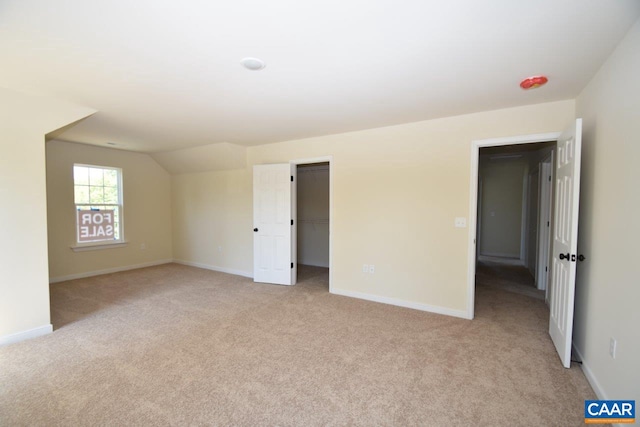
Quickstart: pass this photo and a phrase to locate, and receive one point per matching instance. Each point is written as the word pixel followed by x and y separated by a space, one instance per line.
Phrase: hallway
pixel 511 278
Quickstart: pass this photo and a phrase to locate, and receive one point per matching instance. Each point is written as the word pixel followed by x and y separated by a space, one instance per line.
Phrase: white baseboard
pixel 25 335
pixel 215 268
pixel 402 303
pixel 108 271
pixel 591 378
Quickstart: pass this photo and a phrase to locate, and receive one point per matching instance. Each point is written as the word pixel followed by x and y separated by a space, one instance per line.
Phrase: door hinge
pixel 547 223
pixel 546 269
pixel 291 265
pixel 291 222
pixel 549 178
pixel 291 178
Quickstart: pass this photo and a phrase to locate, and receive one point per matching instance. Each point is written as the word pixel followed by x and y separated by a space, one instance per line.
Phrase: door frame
pixel 294 208
pixel 545 212
pixel 473 200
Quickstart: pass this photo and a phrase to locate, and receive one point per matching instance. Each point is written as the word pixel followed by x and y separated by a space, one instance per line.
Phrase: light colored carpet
pixel 176 345
pixel 508 277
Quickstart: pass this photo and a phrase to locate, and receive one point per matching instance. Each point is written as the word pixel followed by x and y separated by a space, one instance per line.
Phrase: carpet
pixel 510 278
pixel 173 345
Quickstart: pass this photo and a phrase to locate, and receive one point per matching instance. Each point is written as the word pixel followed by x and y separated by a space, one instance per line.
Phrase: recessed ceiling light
pixel 253 64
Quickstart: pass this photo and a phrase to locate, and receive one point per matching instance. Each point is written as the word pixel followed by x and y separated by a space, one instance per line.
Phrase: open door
pixel 565 240
pixel 273 260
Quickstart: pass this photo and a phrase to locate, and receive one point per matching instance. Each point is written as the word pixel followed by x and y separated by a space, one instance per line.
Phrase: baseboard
pixel 215 268
pixel 25 335
pixel 402 303
pixel 108 271
pixel 500 259
pixel 591 378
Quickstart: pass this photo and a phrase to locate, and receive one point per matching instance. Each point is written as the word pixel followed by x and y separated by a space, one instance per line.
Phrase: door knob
pixel 565 256
pixel 581 257
pixel 255 230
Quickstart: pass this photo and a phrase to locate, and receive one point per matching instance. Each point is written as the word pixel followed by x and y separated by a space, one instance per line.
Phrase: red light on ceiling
pixel 533 82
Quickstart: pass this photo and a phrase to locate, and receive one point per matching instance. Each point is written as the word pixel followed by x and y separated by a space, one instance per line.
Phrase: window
pixel 98 202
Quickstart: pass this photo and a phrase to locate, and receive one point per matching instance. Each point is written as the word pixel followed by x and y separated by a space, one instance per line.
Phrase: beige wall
pixel 212 217
pixel 608 289
pixel 396 192
pixel 146 210
pixel 501 206
pixel 24 290
pixel 24 294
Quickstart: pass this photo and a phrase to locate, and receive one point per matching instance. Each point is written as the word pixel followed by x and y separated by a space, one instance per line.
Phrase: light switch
pixel 461 222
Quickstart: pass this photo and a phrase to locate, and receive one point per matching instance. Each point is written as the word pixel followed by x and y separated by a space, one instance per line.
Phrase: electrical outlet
pixel 613 344
pixel 460 222
pixel 365 268
pixel 372 269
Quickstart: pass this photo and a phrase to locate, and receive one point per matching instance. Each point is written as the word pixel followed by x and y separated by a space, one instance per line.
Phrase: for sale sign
pixel 95 226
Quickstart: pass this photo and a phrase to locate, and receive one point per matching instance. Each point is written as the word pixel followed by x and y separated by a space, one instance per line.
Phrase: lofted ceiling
pixel 166 75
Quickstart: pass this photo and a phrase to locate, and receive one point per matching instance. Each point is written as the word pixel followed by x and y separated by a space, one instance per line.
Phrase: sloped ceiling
pixel 212 157
pixel 166 75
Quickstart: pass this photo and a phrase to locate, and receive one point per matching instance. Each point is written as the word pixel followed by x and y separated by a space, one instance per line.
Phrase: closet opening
pixel 313 223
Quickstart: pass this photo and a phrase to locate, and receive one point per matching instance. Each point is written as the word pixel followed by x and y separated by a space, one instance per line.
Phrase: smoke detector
pixel 253 64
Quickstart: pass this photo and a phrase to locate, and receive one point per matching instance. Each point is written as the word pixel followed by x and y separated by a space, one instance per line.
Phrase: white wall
pixel 396 192
pixel 24 284
pixel 146 211
pixel 608 288
pixel 313 215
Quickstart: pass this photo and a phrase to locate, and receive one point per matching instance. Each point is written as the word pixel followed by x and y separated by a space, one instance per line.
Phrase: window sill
pixel 98 246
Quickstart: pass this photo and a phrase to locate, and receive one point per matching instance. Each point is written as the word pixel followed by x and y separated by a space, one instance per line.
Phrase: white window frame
pixel 119 207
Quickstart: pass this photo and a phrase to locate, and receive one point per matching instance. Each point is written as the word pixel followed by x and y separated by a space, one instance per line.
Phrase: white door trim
pixel 473 200
pixel 307 161
pixel 544 216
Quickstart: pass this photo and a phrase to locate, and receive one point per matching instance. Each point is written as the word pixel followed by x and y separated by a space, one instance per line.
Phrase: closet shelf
pixel 313 221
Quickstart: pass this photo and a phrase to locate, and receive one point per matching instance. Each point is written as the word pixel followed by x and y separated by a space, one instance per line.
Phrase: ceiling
pixel 515 148
pixel 166 75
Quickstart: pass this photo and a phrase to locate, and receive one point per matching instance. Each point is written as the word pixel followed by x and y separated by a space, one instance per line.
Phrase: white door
pixel 565 240
pixel 272 254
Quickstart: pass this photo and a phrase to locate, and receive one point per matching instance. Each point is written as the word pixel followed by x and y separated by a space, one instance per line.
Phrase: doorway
pixel 313 222
pixel 275 210
pixel 475 231
pixel 511 231
pixel 566 189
